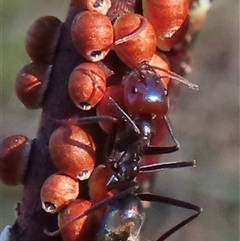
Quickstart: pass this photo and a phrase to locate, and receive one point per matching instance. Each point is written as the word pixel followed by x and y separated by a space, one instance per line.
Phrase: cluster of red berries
pixel 138 102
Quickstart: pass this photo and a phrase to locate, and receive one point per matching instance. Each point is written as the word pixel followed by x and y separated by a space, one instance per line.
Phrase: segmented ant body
pixel 146 104
pixel 125 147
pixel 145 97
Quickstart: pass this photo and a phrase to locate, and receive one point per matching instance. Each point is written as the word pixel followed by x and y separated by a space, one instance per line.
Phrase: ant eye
pixel 165 92
pixel 134 90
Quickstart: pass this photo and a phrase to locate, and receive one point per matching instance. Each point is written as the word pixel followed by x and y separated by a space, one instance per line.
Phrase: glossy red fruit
pixel 72 151
pixel 170 20
pixel 98 189
pixel 42 39
pixel 97 184
pixel 81 229
pixel 31 84
pixel 14 157
pixel 84 83
pixel 135 39
pixel 92 35
pixel 57 191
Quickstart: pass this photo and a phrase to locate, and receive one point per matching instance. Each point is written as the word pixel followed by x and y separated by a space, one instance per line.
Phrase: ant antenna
pixel 177 77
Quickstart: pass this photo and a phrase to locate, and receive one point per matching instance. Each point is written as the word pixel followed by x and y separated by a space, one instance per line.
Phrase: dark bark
pixel 57 105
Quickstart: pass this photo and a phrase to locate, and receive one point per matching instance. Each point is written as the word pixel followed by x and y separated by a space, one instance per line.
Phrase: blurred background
pixel 206 123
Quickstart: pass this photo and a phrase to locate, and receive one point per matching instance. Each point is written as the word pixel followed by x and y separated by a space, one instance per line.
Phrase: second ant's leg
pixel 157 150
pixel 176 203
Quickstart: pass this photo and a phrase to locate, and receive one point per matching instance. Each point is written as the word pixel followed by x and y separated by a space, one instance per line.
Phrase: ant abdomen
pixel 123 220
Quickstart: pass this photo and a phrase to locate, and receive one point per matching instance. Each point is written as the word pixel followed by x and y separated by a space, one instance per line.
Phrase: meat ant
pixel 124 151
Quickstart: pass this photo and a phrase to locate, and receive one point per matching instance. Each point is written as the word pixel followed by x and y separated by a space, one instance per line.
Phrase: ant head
pixel 144 92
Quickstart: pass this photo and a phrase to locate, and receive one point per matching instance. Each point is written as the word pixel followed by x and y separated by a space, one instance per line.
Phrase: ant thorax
pixel 129 147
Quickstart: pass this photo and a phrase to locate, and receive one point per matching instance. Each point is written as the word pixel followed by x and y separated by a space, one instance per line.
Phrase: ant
pixel 143 89
pixel 146 99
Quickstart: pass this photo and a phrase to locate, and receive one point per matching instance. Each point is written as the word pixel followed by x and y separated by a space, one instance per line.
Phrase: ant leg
pixel 101 204
pixel 167 165
pixel 156 150
pixel 87 120
pixel 176 203
pixel 95 119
